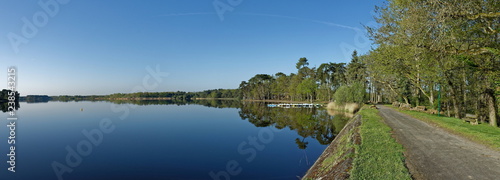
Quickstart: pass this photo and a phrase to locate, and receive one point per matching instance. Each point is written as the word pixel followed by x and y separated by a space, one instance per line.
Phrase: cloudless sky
pixel 102 47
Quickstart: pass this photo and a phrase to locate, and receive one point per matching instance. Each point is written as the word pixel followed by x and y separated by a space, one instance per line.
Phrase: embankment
pixel 364 149
pixel 337 159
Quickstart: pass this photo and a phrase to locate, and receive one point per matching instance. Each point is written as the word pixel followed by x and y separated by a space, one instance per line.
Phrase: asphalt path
pixel 432 153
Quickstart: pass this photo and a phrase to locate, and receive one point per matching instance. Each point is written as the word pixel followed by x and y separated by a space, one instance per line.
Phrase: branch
pixel 484 15
pixel 419 87
pixel 389 85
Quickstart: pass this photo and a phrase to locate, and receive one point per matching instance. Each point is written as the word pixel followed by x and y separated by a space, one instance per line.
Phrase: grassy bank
pixel 378 156
pixel 482 133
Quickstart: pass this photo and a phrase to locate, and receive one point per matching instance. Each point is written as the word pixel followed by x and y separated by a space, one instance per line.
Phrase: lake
pixel 165 140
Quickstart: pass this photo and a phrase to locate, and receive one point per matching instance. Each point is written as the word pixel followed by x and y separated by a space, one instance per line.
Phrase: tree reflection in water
pixel 4 106
pixel 319 124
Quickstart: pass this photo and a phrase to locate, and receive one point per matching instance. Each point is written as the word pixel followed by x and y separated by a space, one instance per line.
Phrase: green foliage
pixel 458 51
pixel 308 84
pixel 62 98
pixel 4 99
pixel 5 93
pixel 214 103
pixel 353 93
pixel 493 50
pixel 302 63
pixel 37 98
pixel 215 93
pixel 343 95
pixel 257 87
pixel 307 88
pixel 356 70
pixel 6 96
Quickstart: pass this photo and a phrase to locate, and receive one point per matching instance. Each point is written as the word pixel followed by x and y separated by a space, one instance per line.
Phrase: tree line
pixel 442 54
pixel 438 53
pixel 214 93
pixel 4 99
pixel 6 93
pixel 323 83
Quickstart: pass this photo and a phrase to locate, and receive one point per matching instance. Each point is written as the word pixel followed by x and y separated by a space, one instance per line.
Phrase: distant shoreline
pixel 136 98
pixel 214 99
pixel 165 98
pixel 282 101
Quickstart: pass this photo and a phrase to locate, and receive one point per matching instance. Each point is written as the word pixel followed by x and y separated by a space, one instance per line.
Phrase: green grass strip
pixel 379 156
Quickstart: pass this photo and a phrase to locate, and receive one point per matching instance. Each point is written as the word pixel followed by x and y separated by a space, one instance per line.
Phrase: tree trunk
pixel 329 89
pixel 456 108
pixel 406 100
pixel 478 108
pixel 464 90
pixel 492 107
pixel 431 98
pixel 448 108
pixel 418 98
pixel 482 105
pixel 454 100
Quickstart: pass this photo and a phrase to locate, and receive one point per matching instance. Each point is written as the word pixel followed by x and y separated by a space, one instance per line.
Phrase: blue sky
pixel 102 47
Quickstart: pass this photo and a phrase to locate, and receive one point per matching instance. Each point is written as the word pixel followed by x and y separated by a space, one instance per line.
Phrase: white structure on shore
pixel 294 105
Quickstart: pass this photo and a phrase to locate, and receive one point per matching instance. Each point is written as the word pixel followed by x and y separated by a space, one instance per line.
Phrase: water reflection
pixel 332 112
pixel 4 106
pixel 316 123
pixel 176 139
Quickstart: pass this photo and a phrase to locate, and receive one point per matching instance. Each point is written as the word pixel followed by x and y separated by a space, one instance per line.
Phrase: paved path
pixel 432 153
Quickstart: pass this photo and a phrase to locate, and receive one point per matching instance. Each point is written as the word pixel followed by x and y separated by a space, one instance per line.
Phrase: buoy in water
pixel 81 109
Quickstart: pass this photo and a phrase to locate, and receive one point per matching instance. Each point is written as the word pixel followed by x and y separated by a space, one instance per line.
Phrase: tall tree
pixel 356 71
pixel 457 48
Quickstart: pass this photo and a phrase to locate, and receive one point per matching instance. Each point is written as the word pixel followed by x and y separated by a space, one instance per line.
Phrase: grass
pixel 379 156
pixel 482 133
pixel 341 152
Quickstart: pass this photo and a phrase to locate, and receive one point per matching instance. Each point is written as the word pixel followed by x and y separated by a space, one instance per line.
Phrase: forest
pixel 328 82
pixel 438 53
pixel 442 54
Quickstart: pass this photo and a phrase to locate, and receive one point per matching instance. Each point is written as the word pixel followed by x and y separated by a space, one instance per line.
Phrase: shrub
pixel 354 93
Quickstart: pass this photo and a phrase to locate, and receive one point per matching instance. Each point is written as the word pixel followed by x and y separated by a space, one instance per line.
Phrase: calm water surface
pixel 161 140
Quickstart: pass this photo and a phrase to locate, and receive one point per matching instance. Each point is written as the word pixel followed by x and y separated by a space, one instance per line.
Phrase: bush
pixel 354 93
